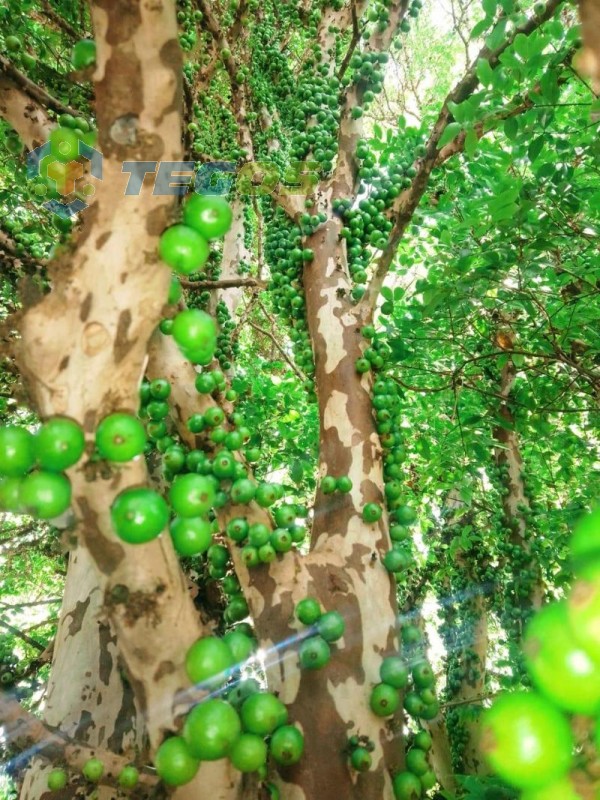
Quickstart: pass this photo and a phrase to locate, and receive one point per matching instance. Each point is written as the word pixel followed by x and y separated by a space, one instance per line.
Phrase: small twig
pixel 256 327
pixel 228 283
pixel 23 636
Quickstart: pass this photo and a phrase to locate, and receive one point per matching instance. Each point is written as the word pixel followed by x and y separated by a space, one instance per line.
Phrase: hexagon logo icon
pixel 62 177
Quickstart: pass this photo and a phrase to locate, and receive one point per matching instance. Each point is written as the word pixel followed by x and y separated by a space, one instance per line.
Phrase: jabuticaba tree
pixel 144 331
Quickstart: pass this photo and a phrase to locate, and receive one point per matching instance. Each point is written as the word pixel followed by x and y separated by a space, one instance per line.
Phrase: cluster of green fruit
pixel 185 246
pixel 527 735
pixel 31 467
pixel 27 236
pixel 359 751
pixel 247 725
pixel 317 97
pixel 14 46
pixel 93 771
pixel 260 544
pixel 11 668
pixel 286 258
pixel 329 484
pixel 189 20
pixel 367 71
pixel 418 777
pixel 325 628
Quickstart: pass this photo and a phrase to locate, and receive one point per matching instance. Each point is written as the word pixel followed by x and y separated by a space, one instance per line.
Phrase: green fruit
pixel 237 529
pixel 372 513
pixel 328 485
pixel 423 676
pixel 128 778
pixel 262 713
pixel 84 54
pixel 559 667
pixel 57 779
pixel 406 515
pixel 242 690
pixel 423 740
pixel 139 515
pixel 13 43
pixel 191 535
pixel 258 534
pixel 413 704
pixel 267 553
pixel 416 761
pixel 45 495
pixel 287 745
pixel 10 493
pixel 285 516
pixel 241 646
pixel 174 763
pixel 428 780
pixel 526 740
pixel 195 330
pixel 384 700
pixel 242 491
pixel 308 611
pixel 265 495
pixel 17 451
pixel 211 728
pixel 394 672
pixel 314 653
pixel 93 769
pixel 218 555
pixel 343 484
pixel 59 444
pixel 584 611
pixel 160 389
pixel 281 540
pixel 209 661
pixel 331 626
pixel 406 786
pixel 192 495
pixel 394 561
pixel 360 759
pixel 120 437
pixel 209 215
pixel 183 249
pixel 248 753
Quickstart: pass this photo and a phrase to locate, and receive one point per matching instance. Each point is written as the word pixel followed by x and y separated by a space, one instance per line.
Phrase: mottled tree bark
pixel 107 297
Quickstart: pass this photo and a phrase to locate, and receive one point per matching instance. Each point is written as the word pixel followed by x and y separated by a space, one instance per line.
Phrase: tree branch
pixel 34 91
pixel 38 739
pixel 229 283
pixel 407 201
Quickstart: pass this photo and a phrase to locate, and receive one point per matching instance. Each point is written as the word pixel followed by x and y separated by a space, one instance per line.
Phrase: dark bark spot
pixel 164 668
pixel 103 239
pixel 77 616
pixel 84 726
pixel 122 344
pixel 105 659
pixel 157 220
pixel 170 55
pixel 64 363
pixel 106 553
pixel 124 19
pixel 86 307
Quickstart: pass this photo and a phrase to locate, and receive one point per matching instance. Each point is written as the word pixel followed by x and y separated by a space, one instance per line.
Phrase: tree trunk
pixel 343 569
pixel 86 696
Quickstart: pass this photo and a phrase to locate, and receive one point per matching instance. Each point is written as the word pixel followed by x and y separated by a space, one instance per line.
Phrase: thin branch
pixel 23 636
pixel 60 23
pixel 33 90
pixel 229 283
pixel 39 739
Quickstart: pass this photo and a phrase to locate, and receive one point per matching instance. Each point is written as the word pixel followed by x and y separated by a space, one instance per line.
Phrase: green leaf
pixel 471 142
pixel 484 71
pixel 511 128
pixel 450 132
pixel 536 147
